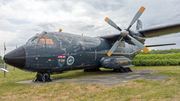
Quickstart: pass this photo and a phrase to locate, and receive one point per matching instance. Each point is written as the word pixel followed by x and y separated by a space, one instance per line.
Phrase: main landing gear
pixel 122 70
pixel 43 77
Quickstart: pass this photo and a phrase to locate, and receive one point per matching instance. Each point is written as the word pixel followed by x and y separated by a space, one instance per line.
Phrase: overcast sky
pixel 22 19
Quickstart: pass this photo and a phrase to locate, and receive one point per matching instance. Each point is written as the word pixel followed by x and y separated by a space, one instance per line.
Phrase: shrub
pixel 157 59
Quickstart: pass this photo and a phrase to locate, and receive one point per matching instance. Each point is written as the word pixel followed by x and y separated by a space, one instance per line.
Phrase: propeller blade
pixel 136 17
pixel 113 48
pixel 140 45
pixel 109 21
pixel 60 30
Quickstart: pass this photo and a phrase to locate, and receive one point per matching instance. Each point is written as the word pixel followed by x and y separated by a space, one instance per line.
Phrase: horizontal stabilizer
pixel 160 45
pixel 161 30
pixel 139 25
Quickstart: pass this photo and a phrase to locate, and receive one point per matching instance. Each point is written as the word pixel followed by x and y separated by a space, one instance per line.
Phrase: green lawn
pixel 135 90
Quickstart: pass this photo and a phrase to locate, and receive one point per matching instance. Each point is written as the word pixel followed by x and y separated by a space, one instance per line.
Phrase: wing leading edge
pixel 159 31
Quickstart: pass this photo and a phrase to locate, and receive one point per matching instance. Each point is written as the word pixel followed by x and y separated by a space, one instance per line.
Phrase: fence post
pixel 5 71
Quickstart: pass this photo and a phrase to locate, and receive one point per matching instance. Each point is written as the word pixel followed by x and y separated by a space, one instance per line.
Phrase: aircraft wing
pixel 111 38
pixel 161 30
pixel 150 32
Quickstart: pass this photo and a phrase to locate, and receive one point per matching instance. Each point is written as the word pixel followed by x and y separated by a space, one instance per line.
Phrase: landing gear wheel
pixel 129 70
pixel 122 70
pixel 126 70
pixel 43 77
pixel 46 77
pixel 39 77
pixel 119 70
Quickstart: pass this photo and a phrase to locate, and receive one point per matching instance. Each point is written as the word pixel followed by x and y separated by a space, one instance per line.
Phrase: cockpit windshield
pixel 40 41
pixel 48 41
pixel 33 40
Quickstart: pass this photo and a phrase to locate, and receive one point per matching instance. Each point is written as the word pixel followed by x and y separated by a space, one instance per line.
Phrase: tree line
pixel 1 61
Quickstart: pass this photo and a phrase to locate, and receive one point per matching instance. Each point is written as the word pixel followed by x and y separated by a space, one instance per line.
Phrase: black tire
pixel 129 70
pixel 39 77
pixel 45 77
pixel 126 70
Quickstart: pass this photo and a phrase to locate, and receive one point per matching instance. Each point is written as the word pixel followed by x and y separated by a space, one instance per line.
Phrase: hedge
pixel 157 60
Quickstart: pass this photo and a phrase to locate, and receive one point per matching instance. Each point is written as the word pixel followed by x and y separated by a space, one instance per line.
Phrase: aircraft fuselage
pixel 58 51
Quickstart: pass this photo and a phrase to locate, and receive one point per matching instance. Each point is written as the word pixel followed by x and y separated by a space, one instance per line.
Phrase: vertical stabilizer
pixel 139 25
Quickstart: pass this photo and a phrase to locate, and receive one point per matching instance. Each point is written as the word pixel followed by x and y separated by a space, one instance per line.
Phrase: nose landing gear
pixel 43 77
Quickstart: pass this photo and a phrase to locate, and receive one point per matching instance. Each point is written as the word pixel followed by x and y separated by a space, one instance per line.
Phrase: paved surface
pixel 110 80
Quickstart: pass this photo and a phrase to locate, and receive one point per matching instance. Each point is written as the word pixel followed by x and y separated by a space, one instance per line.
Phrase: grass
pixel 136 90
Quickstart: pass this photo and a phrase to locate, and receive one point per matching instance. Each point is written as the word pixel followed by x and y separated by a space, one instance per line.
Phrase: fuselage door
pixel 51 50
pixel 41 53
pixel 46 53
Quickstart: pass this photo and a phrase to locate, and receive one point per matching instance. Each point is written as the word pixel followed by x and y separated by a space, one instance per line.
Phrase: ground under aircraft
pixel 54 52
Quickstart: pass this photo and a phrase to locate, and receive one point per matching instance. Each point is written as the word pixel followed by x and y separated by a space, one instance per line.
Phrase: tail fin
pixel 139 25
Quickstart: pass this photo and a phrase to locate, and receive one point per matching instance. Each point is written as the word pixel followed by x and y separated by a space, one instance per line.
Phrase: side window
pixel 41 41
pixel 35 40
pixel 49 41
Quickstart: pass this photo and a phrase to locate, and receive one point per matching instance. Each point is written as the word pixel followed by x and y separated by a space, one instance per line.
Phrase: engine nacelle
pixel 114 62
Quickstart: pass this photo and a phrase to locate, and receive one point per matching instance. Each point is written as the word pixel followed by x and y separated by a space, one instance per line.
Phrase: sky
pixel 22 19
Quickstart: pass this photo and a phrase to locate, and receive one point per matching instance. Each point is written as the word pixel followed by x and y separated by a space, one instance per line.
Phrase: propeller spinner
pixel 126 33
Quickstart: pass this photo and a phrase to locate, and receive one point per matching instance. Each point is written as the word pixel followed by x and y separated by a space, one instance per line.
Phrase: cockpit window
pixel 41 41
pixel 35 40
pixel 32 40
pixel 29 41
pixel 49 41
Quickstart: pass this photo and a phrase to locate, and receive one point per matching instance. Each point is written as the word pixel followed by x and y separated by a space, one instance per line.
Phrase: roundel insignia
pixel 70 60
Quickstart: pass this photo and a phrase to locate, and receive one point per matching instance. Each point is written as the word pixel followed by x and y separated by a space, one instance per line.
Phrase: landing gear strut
pixel 122 70
pixel 43 77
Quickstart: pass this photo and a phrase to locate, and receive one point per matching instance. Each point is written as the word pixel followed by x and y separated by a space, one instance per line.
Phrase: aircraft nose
pixel 16 58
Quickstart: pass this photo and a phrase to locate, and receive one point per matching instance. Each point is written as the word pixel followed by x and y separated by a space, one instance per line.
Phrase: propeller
pixel 125 33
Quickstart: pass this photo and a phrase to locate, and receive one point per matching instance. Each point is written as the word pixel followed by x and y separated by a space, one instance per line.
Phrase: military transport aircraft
pixel 54 52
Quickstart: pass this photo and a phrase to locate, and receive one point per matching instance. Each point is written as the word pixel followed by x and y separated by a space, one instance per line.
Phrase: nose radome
pixel 16 58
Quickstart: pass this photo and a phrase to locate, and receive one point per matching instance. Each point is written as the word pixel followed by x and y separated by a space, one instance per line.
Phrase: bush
pixel 157 59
